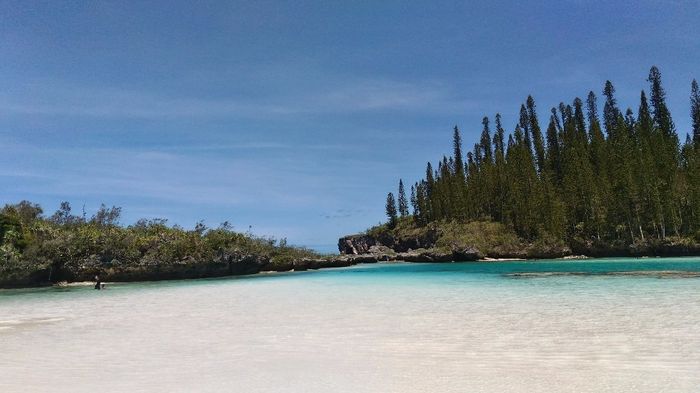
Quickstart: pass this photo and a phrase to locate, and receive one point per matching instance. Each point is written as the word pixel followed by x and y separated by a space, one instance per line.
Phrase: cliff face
pixel 362 243
pixel 356 244
pixel 420 247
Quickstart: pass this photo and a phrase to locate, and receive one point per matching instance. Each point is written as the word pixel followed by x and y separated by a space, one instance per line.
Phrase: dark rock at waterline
pixel 438 255
pixel 467 254
pixel 335 262
pixel 318 263
pixel 363 258
pixel 423 255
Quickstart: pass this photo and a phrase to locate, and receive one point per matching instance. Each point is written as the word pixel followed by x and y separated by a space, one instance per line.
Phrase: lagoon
pixel 457 327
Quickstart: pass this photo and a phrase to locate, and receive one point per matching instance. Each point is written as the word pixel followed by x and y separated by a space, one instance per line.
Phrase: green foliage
pixel 489 237
pixel 627 180
pixel 35 249
pixel 695 111
pixel 391 209
pixel 403 202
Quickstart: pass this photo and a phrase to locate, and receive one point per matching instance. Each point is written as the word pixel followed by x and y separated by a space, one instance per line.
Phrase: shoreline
pixel 82 283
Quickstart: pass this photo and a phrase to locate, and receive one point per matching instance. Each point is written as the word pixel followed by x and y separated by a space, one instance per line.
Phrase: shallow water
pixel 466 327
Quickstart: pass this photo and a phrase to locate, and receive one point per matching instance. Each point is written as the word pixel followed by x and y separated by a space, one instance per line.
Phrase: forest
pixel 616 176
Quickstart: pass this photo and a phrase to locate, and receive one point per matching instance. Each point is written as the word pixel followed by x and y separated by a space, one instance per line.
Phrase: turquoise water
pixel 463 327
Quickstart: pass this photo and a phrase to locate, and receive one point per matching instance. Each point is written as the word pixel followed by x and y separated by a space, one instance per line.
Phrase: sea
pixel 597 325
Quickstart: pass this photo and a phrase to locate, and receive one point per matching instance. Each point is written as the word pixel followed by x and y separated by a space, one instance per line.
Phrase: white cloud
pixel 52 98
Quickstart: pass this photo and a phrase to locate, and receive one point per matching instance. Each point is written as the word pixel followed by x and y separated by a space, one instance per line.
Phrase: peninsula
pixel 620 184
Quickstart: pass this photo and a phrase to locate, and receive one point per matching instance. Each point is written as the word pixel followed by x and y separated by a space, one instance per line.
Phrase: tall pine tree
pixel 391 210
pixel 403 202
pixel 695 111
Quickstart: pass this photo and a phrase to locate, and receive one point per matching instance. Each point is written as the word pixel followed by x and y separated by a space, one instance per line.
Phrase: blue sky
pixel 296 118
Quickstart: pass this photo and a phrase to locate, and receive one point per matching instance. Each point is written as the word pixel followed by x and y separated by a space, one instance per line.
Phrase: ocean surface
pixel 462 327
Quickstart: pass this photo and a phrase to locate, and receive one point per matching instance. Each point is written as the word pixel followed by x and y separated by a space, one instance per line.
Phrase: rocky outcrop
pixel 362 243
pixel 423 255
pixel 418 248
pixel 467 254
pixel 356 244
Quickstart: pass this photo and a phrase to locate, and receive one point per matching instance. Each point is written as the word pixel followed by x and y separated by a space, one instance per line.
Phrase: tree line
pixel 620 175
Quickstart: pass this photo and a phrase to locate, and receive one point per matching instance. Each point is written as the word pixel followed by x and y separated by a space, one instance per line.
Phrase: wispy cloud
pixel 251 146
pixel 154 175
pixel 51 98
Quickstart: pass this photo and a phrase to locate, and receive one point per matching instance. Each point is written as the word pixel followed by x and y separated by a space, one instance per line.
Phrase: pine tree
pixel 667 153
pixel 403 202
pixel 610 111
pixel 662 116
pixel 429 193
pixel 553 148
pixel 695 112
pixel 525 127
pixel 414 200
pixel 421 210
pixel 499 136
pixel 536 132
pixel 649 184
pixel 456 184
pixel 499 171
pixel 485 142
pixel 577 179
pixel 623 189
pixel 391 210
pixel 457 150
pixel 487 184
pixel 580 122
pixel 600 164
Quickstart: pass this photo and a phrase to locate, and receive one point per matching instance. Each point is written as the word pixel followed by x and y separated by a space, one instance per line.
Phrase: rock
pixel 362 243
pixel 338 262
pixel 467 254
pixel 422 255
pixel 440 256
pixel 300 266
pixel 364 258
pixel 356 244
pixel 575 257
pixel 383 253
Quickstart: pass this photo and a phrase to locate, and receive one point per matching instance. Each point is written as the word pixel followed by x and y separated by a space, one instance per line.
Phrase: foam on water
pixel 469 327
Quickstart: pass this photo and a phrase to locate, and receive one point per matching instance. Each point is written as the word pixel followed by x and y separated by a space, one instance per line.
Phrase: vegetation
pixel 619 178
pixel 486 238
pixel 36 249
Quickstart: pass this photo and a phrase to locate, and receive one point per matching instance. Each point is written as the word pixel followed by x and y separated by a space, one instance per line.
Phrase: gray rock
pixel 422 255
pixel 467 254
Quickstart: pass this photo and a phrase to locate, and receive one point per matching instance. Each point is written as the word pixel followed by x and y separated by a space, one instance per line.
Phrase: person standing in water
pixel 98 283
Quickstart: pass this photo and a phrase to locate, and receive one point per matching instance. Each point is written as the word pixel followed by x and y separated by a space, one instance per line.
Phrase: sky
pixel 294 119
